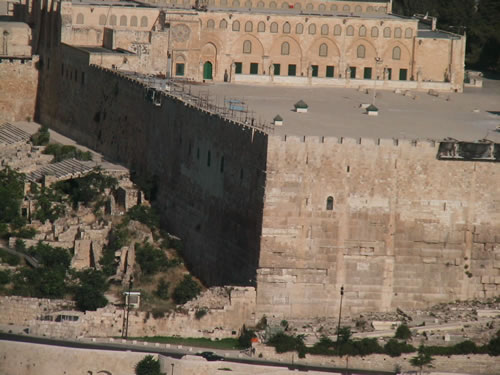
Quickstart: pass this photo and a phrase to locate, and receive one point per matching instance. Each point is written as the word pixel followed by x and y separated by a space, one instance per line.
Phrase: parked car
pixel 210 356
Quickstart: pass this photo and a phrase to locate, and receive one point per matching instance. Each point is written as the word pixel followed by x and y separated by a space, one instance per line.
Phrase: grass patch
pixel 200 342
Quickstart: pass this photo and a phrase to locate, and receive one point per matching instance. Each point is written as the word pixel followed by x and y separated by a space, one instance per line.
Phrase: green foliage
pixel 148 366
pixel 145 215
pixel 162 289
pixel 344 334
pixel 150 259
pixel 422 359
pixel 4 277
pixel 186 290
pixel 245 338
pixel 493 346
pixel 284 343
pixel 118 238
pixel 63 152
pixel 11 195
pixel 403 332
pixel 86 189
pixel 262 324
pixel 25 232
pixel 394 348
pixel 49 205
pixel 20 246
pixel 41 137
pixel 90 289
pixel 324 346
pixel 10 259
pixel 200 313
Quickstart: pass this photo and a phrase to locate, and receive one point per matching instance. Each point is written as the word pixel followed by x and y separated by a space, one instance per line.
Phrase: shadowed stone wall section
pixel 207 171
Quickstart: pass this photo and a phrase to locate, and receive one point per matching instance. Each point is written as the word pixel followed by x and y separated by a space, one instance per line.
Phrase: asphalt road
pixel 179 354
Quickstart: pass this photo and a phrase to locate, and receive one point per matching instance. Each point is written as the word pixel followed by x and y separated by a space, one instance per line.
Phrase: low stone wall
pixel 19 358
pixel 108 321
pixel 469 364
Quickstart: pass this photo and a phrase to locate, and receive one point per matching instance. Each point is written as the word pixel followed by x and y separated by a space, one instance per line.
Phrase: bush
pixel 4 277
pixel 63 152
pixel 41 137
pixel 148 366
pixel 90 289
pixel 48 205
pixel 150 259
pixel 11 194
pixel 186 290
pixel 324 346
pixel 200 313
pixel 403 332
pixel 158 314
pixel 26 232
pixel 145 215
pixel 284 343
pixel 394 348
pixel 10 259
pixel 494 345
pixel 162 289
pixel 245 338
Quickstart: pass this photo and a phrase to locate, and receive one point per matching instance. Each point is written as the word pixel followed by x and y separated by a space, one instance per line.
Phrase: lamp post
pixel 340 316
pixel 378 63
pixel 125 316
pixel 172 369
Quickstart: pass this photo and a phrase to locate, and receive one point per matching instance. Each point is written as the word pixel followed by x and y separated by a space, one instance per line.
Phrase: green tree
pixel 422 359
pixel 245 338
pixel 150 259
pixel 403 332
pixel 90 289
pixel 41 137
pixel 148 366
pixel 494 345
pixel 144 214
pixel 344 334
pixel 63 152
pixel 186 290
pixel 162 289
pixel 11 194
pixel 49 205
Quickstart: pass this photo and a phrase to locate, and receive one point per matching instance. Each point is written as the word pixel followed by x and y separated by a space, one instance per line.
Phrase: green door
pixel 314 70
pixel 367 73
pixel 403 73
pixel 207 70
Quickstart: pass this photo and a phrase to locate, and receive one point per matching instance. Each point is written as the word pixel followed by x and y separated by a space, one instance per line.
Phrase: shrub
pixel 158 314
pixel 4 277
pixel 368 346
pixel 200 313
pixel 89 292
pixel 26 232
pixel 494 345
pixel 148 366
pixel 150 259
pixel 11 194
pixel 186 290
pixel 41 137
pixel 284 343
pixel 245 338
pixel 145 215
pixel 63 152
pixel 394 348
pixel 403 332
pixel 162 289
pixel 10 259
pixel 48 205
pixel 324 346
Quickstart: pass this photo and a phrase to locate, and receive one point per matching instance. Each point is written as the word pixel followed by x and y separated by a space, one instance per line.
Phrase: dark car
pixel 210 356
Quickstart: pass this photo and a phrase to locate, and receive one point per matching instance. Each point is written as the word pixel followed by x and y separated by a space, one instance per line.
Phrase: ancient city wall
pixel 18 88
pixel 206 171
pixel 404 229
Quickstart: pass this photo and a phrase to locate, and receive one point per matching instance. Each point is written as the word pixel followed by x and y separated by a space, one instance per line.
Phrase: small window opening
pixel 329 203
pixel 198 153
pixel 222 164
pixel 209 158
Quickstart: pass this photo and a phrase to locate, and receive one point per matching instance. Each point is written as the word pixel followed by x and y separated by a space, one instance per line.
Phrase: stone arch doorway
pixel 207 70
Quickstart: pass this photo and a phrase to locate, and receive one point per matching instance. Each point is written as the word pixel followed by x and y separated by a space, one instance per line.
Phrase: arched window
pixel 260 4
pixel 396 53
pixel 223 24
pixel 297 6
pixel 274 27
pixel 357 9
pixel 387 32
pixel 261 27
pixel 369 9
pixel 322 7
pixel 333 8
pixel 248 4
pixel 350 31
pixel 144 21
pixel 247 47
pixel 123 21
pixel 286 28
pixel 408 33
pixel 312 29
pixel 210 24
pixel 299 28
pixel 381 9
pixel 79 19
pixel 249 27
pixel 236 3
pixel 112 20
pixel 362 31
pixel 329 203
pixel 236 25
pixel 272 5
pixel 285 5
pixel 337 30
pixel 323 50
pixel 102 19
pixel 324 30
pixel 374 32
pixel 309 6
pixel 397 32
pixel 346 8
pixel 285 48
pixel 133 21
pixel 361 52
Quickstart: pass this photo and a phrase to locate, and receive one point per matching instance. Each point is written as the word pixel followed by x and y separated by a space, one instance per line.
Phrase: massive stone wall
pixel 405 229
pixel 207 171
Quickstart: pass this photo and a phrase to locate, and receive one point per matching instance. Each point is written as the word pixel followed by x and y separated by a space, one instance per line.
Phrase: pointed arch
pixel 324 29
pixel 247 47
pixel 261 27
pixel 223 24
pixel 312 29
pixel 236 26
pixel 337 30
pixel 299 28
pixel 350 30
pixel 249 26
pixel 323 50
pixel 123 21
pixel 79 19
pixel 374 32
pixel 286 28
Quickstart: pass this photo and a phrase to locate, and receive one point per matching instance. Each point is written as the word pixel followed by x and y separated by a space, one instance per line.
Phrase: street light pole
pixel 172 369
pixel 125 331
pixel 340 316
